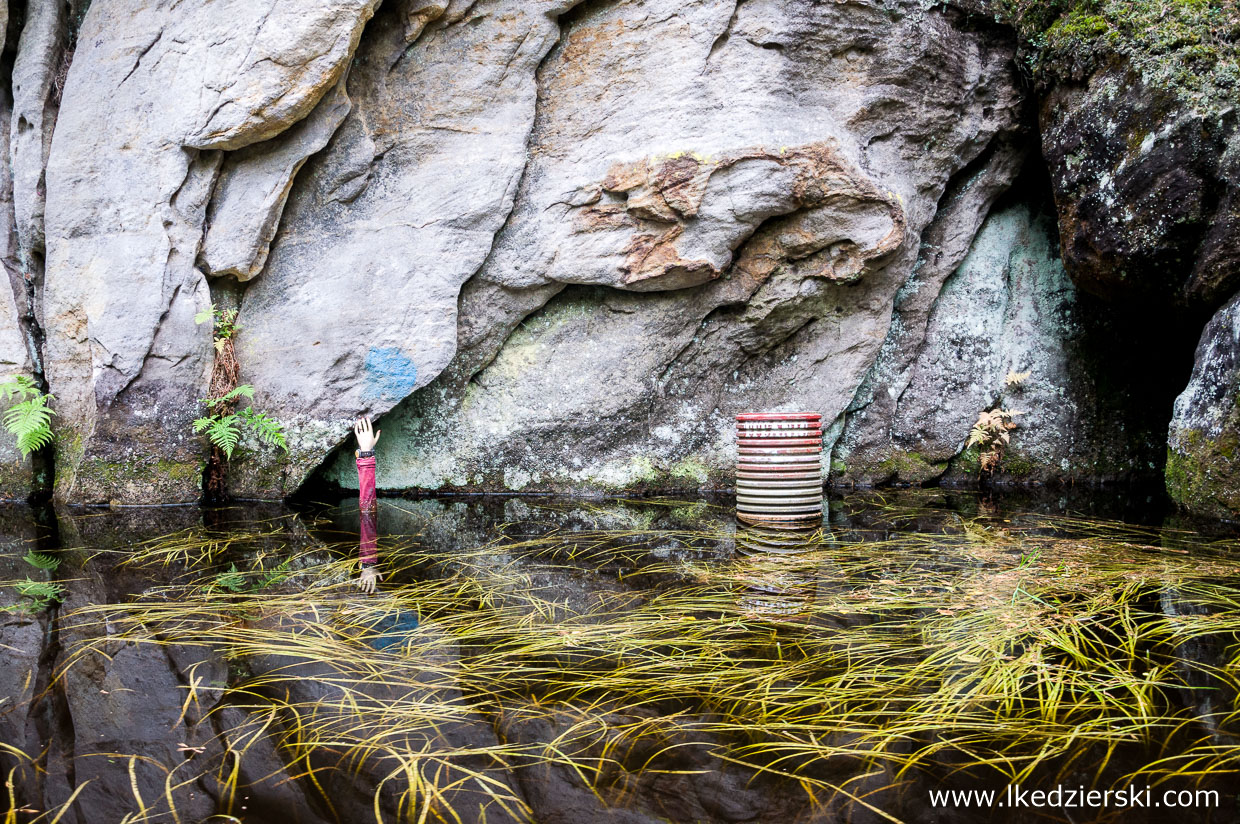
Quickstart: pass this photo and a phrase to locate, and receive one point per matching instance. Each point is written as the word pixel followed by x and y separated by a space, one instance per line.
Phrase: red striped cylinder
pixel 779 467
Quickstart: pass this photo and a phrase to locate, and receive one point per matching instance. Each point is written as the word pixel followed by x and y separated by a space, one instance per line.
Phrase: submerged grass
pixel 845 666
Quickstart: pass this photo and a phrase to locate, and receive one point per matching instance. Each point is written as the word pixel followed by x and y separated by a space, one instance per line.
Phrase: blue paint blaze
pixel 390 374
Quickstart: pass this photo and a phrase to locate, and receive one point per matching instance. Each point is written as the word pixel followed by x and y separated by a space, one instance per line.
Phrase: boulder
pixel 1146 186
pixel 1203 461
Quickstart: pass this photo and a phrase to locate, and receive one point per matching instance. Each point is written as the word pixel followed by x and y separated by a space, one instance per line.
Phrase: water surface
pixel 537 659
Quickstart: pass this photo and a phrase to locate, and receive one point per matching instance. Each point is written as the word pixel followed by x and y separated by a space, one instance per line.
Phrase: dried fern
pixel 992 434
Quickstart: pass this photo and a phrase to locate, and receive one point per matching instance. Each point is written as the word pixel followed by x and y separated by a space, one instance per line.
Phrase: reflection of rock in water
pixel 1193 656
pixel 777 586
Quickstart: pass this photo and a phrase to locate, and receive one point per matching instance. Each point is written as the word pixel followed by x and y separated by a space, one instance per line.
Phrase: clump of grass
pixel 996 650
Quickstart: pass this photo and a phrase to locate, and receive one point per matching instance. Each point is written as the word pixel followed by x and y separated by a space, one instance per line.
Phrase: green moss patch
pixel 1189 46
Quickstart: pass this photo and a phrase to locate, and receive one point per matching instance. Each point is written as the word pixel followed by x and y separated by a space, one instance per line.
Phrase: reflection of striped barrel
pixel 779 471
pixel 777 585
pixel 767 541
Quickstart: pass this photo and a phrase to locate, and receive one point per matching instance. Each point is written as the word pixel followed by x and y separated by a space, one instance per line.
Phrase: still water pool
pixel 630 661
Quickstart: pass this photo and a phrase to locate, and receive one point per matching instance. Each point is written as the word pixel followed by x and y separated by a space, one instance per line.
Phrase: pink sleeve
pixel 367 547
pixel 366 483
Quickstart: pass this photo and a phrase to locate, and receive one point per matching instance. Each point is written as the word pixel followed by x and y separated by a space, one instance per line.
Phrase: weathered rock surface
pixel 757 230
pixel 1007 330
pixel 15 471
pixel 127 195
pixel 16 478
pixel 357 306
pixel 567 241
pixel 252 189
pixel 1203 448
pixel 1146 189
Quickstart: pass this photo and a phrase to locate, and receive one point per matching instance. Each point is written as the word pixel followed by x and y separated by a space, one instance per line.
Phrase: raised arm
pixel 368 553
pixel 367 437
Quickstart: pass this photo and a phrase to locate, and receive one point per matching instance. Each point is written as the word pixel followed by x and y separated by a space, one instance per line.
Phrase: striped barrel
pixel 779 468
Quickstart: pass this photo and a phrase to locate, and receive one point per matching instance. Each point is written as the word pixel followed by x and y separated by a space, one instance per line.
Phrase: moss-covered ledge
pixel 1189 46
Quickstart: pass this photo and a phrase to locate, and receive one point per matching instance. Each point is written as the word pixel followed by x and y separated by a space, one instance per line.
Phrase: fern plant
pixel 224 428
pixel 233 580
pixel 992 434
pixel 40 593
pixel 30 419
pixel 39 560
pixel 223 324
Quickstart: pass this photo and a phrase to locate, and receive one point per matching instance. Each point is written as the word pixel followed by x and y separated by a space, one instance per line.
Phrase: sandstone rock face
pixel 15 471
pixel 1008 330
pixel 16 479
pixel 357 306
pixel 732 212
pixel 559 245
pixel 1203 464
pixel 127 192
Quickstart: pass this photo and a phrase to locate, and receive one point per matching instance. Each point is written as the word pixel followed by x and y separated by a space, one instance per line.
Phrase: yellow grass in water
pixel 842 665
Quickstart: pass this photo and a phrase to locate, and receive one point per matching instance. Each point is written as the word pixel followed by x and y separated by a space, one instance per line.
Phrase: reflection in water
pixel 367 550
pixel 540 660
pixel 778 587
pixel 395 628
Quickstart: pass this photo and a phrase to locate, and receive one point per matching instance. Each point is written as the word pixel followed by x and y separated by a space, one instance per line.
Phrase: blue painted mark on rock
pixel 390 374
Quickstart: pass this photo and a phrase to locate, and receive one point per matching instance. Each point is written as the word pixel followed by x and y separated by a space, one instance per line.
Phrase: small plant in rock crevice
pixel 1016 380
pixel 29 419
pixel 222 423
pixel 992 434
pixel 224 428
pixel 224 323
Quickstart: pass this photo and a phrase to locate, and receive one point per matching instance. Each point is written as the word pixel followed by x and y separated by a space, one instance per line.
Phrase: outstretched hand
pixel 367 437
pixel 369 578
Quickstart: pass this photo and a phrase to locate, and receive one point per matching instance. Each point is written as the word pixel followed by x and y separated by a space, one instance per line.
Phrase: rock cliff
pixel 557 244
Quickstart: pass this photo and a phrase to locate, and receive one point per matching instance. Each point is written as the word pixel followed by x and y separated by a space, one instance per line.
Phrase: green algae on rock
pixel 1203 451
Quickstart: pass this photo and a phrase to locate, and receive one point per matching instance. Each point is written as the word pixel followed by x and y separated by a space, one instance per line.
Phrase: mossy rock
pixel 1203 475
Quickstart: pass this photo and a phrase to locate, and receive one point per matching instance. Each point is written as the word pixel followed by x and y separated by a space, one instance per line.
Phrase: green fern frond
pixel 31 422
pixel 41 592
pixel 244 389
pixel 232 580
pixel 18 387
pixel 205 315
pixel 268 429
pixel 224 433
pixel 201 423
pixel 273 577
pixel 39 560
